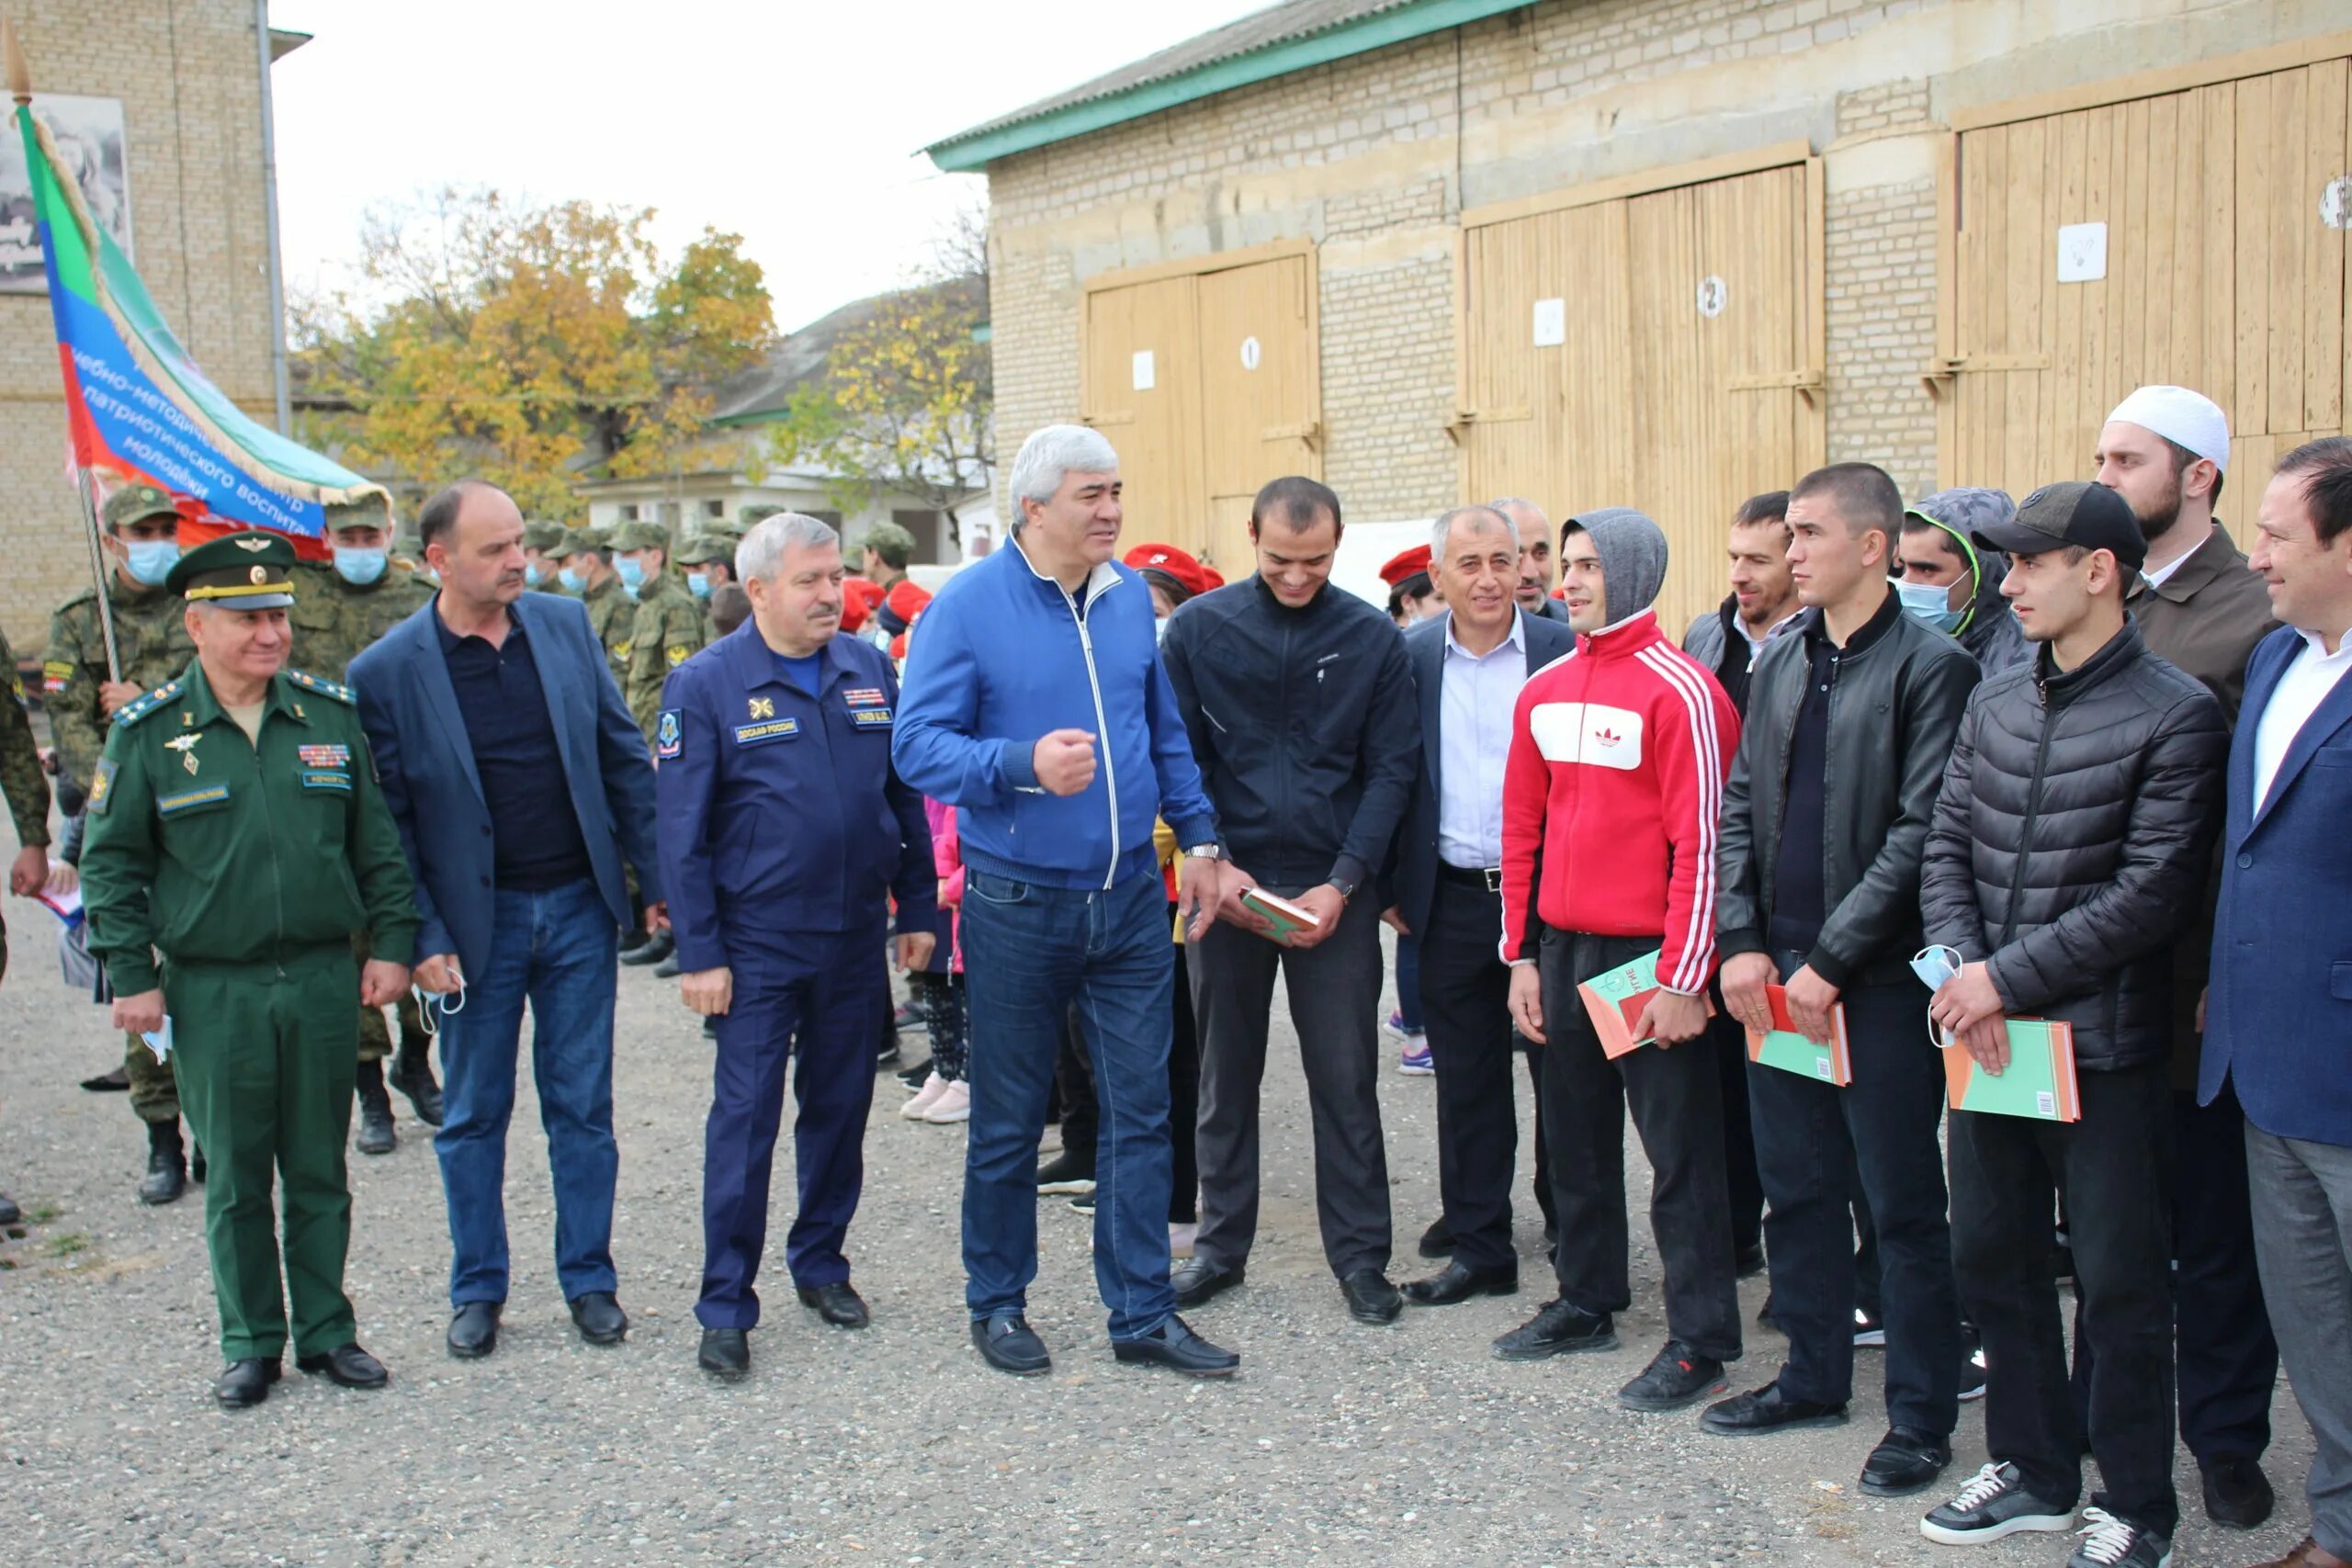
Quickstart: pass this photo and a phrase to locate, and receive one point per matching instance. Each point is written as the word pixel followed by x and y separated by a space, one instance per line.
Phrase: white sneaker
pixel 1181 1239
pixel 926 1097
pixel 954 1104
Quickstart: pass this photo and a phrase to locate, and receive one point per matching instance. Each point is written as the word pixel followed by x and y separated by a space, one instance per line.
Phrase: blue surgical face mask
pixel 1160 629
pixel 699 583
pixel 151 560
pixel 532 575
pixel 572 579
pixel 358 567
pixel 632 572
pixel 1931 602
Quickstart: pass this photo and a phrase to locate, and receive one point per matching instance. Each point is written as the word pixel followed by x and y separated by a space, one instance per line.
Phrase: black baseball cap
pixel 2074 512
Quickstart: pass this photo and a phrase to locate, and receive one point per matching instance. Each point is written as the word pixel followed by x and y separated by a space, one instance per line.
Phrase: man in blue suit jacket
pixel 2279 1013
pixel 1448 883
pixel 487 709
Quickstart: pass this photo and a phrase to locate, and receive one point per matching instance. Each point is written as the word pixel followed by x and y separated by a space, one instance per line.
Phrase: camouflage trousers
pixel 154 1088
pixel 375 1039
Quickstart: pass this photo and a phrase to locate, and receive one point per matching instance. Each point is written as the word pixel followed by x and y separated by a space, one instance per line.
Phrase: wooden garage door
pixel 1207 383
pixel 2218 273
pixel 1657 350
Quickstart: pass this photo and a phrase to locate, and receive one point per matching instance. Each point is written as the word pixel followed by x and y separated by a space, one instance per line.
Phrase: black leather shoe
pixel 1905 1460
pixel 195 1162
pixel 1768 1410
pixel 652 951
pixel 600 1318
pixel 376 1134
pixel 1438 1240
pixel 725 1353
pixel 1559 1330
pixel 1370 1298
pixel 115 1082
pixel 1174 1345
pixel 349 1366
pixel 412 1074
pixel 1010 1345
pixel 2236 1493
pixel 166 1176
pixel 1458 1281
pixel 837 1305
pixel 473 1330
pixel 1197 1281
pixel 246 1383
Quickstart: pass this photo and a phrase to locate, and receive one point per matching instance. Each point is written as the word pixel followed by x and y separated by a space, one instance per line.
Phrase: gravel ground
pixel 1338 1442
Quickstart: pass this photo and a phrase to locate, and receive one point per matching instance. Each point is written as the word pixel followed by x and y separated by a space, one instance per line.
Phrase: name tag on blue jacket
pixel 766 730
pixel 870 718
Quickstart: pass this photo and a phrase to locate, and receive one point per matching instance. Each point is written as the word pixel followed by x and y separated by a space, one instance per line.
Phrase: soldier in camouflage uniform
pixel 543 557
pixel 141 543
pixel 340 610
pixel 588 565
pixel 669 627
pixel 28 790
pixel 708 556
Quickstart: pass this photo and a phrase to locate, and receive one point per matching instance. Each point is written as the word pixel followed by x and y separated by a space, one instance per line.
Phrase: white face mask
pixel 449 1003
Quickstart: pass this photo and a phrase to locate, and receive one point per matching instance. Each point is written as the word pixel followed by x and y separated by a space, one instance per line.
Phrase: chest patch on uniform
pixel 769 729
pixel 676 654
pixel 621 649
pixel 334 756
pixel 862 696
pixel 102 787
pixel 313 778
pixel 669 739
pixel 762 707
pixel 870 718
pixel 1591 733
pixel 191 800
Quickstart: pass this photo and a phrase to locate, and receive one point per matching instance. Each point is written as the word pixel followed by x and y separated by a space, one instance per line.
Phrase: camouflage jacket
pixel 669 628
pixel 21 779
pixel 610 611
pixel 151 633
pixel 335 622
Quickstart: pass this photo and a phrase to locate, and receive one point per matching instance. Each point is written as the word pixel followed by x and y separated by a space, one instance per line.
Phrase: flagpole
pixel 20 88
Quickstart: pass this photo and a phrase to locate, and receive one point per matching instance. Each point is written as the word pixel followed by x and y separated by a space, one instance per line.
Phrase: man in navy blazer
pixel 2278 1010
pixel 489 711
pixel 1468 664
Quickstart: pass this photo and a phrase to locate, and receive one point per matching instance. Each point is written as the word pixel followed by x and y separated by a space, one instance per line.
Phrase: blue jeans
pixel 559 950
pixel 1030 952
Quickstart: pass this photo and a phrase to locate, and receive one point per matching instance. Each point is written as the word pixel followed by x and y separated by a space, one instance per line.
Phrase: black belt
pixel 1490 881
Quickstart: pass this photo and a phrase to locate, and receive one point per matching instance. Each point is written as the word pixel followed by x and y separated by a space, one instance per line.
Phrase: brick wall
pixel 1375 157
pixel 187 72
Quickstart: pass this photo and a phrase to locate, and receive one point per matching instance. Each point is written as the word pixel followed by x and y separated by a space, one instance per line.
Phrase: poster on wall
pixel 88 133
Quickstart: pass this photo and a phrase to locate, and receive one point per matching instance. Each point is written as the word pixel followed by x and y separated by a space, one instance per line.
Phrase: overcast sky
pixel 793 123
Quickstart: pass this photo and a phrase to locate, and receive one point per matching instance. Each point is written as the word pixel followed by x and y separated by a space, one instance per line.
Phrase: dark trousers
pixel 1819 1145
pixel 1183 1101
pixel 2223 1356
pixel 2112 1167
pixel 1465 1002
pixel 1728 1042
pixel 1676 1098
pixel 1081 1115
pixel 816 995
pixel 1334 990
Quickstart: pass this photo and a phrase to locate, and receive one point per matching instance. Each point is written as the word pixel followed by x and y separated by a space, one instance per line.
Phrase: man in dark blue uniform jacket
pixel 785 830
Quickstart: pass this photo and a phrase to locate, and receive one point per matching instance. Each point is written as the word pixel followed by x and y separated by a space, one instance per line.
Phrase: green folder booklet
pixel 2038 1083
pixel 1791 1052
pixel 1614 1001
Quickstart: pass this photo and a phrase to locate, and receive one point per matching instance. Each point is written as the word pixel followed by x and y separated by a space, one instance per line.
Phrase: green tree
pixel 526 344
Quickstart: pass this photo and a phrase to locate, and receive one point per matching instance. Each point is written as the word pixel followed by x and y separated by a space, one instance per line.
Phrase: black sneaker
pixel 1993 1504
pixel 1677 1376
pixel 1870 1334
pixel 1066 1174
pixel 1559 1330
pixel 1972 1363
pixel 2110 1543
pixel 1083 1202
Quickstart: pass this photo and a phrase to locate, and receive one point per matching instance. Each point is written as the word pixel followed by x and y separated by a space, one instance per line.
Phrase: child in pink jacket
pixel 944 1097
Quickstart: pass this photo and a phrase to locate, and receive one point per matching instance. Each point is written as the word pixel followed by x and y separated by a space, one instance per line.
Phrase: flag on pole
pixel 139 410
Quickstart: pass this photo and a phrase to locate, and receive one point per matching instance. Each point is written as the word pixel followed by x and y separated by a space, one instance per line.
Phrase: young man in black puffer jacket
pixel 2069 847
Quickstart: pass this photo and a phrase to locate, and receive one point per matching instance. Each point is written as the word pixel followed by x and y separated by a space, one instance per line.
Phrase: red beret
pixel 1211 579
pixel 1399 568
pixel 859 596
pixel 1176 564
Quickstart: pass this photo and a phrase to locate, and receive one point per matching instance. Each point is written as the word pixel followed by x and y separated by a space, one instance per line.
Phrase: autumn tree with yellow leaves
pixel 526 344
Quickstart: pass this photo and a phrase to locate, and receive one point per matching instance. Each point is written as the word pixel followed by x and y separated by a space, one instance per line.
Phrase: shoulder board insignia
pixel 322 686
pixel 140 707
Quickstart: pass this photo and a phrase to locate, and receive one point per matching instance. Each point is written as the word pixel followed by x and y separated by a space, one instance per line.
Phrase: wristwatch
pixel 1206 851
pixel 1347 890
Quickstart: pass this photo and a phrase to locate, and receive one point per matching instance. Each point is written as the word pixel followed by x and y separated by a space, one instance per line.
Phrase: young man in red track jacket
pixel 1617 757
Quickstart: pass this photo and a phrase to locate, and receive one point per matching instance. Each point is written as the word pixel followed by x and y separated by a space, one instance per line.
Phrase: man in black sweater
pixel 1302 717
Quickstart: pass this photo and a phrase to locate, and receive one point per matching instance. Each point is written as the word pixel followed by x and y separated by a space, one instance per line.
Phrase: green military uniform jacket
pixel 220 850
pixel 151 634
pixel 21 779
pixel 610 613
pixel 669 628
pixel 334 621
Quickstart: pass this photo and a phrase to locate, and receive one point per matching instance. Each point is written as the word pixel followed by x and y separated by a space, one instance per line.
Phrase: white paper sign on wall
pixel 1144 376
pixel 1551 322
pixel 2335 202
pixel 1251 353
pixel 2081 253
pixel 1713 295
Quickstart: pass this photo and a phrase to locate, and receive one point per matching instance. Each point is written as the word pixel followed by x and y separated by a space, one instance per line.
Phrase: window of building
pixel 629 511
pixel 668 513
pixel 714 509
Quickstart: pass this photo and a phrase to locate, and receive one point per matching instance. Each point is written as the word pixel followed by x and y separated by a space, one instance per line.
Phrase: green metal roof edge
pixel 975 150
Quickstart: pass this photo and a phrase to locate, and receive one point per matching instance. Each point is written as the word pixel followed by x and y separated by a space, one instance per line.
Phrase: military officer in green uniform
pixel 543 557
pixel 26 788
pixel 141 542
pixel 669 627
pixel 237 830
pixel 340 608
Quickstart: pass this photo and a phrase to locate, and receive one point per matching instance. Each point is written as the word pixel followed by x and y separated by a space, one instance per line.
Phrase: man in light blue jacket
pixel 1034 704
